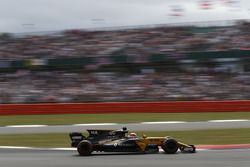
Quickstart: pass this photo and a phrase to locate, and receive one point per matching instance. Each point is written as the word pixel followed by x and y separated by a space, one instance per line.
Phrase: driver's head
pixel 133 135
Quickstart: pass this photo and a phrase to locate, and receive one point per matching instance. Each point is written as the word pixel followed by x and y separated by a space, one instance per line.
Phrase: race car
pixel 120 141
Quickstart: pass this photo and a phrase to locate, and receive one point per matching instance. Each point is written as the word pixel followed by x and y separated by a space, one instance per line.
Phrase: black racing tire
pixel 85 148
pixel 170 146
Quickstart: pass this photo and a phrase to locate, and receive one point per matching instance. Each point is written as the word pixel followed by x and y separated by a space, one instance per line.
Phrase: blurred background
pixel 147 50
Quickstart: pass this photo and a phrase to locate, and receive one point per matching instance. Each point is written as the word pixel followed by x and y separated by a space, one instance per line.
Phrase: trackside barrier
pixel 125 107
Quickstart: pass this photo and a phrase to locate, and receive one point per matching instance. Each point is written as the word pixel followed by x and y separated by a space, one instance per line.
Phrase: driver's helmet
pixel 132 135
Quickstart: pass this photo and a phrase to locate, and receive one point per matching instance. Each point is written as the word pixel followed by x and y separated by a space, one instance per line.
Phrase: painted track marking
pixel 164 122
pixel 26 126
pixel 232 120
pixel 95 124
pixel 143 123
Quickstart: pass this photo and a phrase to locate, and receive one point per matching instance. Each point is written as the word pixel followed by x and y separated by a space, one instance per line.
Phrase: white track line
pixel 57 149
pixel 25 126
pixel 145 123
pixel 164 122
pixel 14 147
pixel 95 124
pixel 35 148
pixel 232 120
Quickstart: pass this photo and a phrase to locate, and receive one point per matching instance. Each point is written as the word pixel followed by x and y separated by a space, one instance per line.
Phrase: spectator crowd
pixel 139 42
pixel 65 86
pixel 36 86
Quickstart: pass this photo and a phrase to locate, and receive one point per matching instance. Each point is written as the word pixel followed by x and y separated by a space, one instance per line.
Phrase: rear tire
pixel 85 148
pixel 170 146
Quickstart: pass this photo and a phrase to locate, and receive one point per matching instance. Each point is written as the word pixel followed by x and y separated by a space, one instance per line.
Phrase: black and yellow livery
pixel 120 141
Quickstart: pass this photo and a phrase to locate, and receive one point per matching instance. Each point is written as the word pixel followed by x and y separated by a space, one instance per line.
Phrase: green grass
pixel 221 136
pixel 117 118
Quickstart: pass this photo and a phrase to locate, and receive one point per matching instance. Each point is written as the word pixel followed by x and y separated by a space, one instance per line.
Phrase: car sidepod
pixel 123 145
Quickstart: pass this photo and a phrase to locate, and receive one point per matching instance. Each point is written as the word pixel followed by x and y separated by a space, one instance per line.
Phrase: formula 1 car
pixel 120 141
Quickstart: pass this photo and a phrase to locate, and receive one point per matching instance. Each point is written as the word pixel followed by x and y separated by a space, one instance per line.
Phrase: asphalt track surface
pixel 155 126
pixel 50 158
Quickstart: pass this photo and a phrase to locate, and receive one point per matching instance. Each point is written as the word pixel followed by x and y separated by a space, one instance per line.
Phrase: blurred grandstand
pixel 139 64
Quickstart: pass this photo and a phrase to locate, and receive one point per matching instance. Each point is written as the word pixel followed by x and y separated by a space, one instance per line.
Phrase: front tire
pixel 170 146
pixel 85 148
